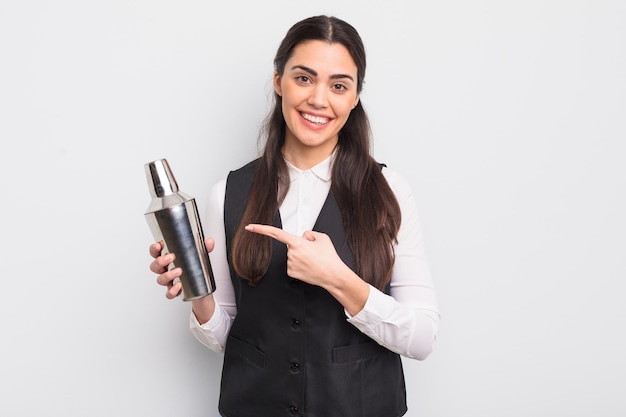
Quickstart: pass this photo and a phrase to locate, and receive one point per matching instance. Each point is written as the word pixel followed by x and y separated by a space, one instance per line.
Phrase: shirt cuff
pixel 206 333
pixel 377 306
pixel 210 325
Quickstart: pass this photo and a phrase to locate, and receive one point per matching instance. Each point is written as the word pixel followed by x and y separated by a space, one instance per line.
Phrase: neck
pixel 306 157
pixel 307 161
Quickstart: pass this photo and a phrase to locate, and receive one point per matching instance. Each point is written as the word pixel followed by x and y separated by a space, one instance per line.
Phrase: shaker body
pixel 180 229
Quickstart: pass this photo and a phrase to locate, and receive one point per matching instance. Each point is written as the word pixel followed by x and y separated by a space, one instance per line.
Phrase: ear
pixel 276 84
pixel 356 101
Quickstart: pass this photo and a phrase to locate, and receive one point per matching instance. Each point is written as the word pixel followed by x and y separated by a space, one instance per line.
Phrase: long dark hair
pixel 369 209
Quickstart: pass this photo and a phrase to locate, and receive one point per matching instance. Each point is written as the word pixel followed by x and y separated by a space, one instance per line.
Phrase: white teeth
pixel 315 119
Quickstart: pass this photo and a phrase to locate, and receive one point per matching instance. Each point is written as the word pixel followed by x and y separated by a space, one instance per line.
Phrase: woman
pixel 321 277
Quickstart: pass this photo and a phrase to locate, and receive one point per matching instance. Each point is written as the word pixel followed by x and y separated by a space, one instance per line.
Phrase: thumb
pixel 209 243
pixel 309 235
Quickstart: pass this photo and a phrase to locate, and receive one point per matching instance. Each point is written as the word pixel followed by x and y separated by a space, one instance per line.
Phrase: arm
pixel 212 316
pixel 407 321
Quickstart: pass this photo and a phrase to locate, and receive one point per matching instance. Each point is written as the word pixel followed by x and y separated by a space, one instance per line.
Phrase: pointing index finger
pixel 273 232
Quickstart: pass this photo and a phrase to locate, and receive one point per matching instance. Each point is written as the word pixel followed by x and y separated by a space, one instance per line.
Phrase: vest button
pixel 295 324
pixel 294 282
pixel 293 410
pixel 294 367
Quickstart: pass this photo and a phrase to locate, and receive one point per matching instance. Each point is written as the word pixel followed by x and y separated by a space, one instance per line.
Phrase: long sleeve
pixel 214 333
pixel 407 321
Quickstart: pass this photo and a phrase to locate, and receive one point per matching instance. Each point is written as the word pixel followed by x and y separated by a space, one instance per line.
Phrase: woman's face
pixel 318 89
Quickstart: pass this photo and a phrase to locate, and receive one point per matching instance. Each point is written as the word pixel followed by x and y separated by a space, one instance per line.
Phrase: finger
pixel 174 291
pixel 209 243
pixel 160 263
pixel 271 231
pixel 309 235
pixel 156 248
pixel 169 278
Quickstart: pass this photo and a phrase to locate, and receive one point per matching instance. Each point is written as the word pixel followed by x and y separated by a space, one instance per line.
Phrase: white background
pixel 508 118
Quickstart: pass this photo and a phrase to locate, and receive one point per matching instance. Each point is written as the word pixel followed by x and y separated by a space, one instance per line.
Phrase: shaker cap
pixel 161 181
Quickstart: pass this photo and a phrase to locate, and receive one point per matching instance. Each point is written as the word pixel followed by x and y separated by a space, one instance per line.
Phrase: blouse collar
pixel 321 170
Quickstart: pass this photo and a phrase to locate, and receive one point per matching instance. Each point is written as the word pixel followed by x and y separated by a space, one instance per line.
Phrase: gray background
pixel 507 117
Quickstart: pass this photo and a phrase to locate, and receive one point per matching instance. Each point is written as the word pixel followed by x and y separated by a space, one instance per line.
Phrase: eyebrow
pixel 314 73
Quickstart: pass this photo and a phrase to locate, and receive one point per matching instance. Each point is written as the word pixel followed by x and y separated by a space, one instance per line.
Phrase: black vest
pixel 290 351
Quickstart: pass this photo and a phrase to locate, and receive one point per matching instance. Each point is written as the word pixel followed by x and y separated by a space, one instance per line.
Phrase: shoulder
pixel 246 169
pixel 243 173
pixel 242 176
pixel 398 182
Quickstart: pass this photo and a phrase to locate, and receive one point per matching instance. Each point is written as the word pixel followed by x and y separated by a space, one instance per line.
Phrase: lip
pixel 315 115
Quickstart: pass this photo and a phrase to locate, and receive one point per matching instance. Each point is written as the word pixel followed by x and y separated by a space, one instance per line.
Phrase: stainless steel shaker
pixel 173 218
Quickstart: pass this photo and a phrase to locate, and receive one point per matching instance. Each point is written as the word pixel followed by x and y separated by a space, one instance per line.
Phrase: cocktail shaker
pixel 173 218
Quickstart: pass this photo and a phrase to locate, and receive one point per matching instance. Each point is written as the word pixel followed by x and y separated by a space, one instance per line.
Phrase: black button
pixel 295 324
pixel 294 282
pixel 294 367
pixel 293 410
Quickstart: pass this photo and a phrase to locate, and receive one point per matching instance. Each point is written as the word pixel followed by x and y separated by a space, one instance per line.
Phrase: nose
pixel 318 97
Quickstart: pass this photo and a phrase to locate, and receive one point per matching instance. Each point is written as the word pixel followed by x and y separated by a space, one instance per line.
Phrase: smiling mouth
pixel 315 119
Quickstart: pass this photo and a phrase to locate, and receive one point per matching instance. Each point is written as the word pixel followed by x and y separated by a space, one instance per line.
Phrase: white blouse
pixel 406 322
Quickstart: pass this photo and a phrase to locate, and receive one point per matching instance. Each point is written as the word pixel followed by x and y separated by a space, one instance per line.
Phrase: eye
pixel 304 79
pixel 339 88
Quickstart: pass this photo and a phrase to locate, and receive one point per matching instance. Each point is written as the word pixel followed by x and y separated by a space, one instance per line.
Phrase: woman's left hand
pixel 311 258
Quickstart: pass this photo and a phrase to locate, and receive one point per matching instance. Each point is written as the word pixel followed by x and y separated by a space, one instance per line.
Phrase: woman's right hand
pixel 203 307
pixel 166 278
